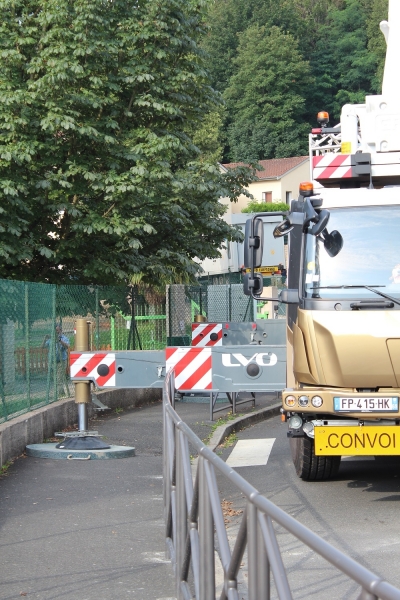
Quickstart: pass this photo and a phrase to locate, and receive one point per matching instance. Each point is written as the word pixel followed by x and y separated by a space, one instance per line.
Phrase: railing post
pixel 181 513
pixel 252 547
pixel 206 535
pixel 365 595
pixel 263 569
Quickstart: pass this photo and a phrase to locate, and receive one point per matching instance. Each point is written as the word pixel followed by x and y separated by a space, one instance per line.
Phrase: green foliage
pixel 339 38
pixel 265 97
pixel 208 136
pixel 376 41
pixel 256 207
pixel 344 67
pixel 99 178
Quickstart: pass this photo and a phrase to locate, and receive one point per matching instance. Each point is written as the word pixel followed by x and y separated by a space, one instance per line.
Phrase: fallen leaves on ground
pixel 228 511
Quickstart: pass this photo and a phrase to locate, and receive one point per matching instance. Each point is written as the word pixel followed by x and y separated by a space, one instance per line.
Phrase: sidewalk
pixel 94 530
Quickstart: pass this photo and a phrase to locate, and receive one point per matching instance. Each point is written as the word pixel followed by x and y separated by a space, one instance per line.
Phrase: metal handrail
pixel 193 511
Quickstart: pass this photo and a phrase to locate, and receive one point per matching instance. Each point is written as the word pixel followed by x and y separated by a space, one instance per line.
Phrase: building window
pixel 288 197
pixel 267 196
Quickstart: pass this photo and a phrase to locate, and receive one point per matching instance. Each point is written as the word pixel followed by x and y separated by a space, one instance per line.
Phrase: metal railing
pixel 195 527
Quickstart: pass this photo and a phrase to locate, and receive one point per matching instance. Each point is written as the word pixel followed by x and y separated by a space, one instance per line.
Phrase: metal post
pixel 82 388
pixel 50 353
pixel 367 596
pixel 252 547
pixel 263 569
pixel 27 346
pixel 97 335
pixel 181 512
pixel 206 534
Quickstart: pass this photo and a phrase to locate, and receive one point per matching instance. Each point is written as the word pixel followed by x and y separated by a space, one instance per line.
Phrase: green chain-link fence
pixel 219 299
pixel 33 363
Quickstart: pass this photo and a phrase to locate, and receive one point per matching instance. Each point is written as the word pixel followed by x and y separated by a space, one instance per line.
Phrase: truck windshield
pixel 370 255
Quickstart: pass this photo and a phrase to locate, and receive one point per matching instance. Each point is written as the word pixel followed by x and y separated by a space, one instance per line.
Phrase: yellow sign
pixel 346 148
pixel 357 441
pixel 265 270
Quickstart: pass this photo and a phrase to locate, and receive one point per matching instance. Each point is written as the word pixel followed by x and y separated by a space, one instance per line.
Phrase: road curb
pixel 223 431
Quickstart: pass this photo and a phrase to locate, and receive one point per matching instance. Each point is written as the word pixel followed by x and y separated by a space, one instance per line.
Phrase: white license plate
pixel 365 404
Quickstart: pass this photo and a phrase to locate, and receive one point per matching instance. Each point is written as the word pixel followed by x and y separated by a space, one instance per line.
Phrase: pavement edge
pixel 223 431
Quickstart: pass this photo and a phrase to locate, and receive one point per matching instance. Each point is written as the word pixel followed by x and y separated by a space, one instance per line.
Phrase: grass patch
pixel 229 441
pixel 5 467
pixel 222 421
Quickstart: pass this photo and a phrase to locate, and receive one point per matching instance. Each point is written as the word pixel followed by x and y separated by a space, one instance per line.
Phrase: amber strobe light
pixel 323 118
pixel 306 189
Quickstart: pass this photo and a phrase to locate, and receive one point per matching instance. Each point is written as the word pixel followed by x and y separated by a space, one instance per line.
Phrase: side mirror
pixel 253 286
pixel 333 242
pixel 253 243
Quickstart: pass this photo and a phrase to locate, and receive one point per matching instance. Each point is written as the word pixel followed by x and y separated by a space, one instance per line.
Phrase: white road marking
pixel 155 557
pixel 248 453
pixel 361 457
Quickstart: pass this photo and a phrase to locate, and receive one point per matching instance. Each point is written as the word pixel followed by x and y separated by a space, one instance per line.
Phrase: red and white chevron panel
pixel 192 367
pixel 85 365
pixel 332 166
pixel 206 334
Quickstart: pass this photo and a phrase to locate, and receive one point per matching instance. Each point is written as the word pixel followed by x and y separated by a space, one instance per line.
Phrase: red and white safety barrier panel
pixel 332 166
pixel 192 367
pixel 206 334
pixel 99 366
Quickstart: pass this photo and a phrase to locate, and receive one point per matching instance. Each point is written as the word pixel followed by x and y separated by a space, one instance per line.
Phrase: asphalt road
pixel 94 530
pixel 91 530
pixel 358 513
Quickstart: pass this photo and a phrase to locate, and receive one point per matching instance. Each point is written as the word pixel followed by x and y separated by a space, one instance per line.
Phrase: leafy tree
pixel 208 137
pixel 343 66
pixel 226 18
pixel 265 97
pixel 376 41
pixel 99 178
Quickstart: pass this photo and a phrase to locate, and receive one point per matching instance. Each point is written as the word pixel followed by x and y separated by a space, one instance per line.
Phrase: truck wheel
pixel 310 467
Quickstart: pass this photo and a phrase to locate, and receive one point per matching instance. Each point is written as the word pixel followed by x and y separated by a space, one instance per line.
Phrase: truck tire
pixel 310 467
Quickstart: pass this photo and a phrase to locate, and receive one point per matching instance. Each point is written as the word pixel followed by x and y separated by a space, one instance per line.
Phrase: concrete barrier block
pixel 54 417
pixel 34 428
pixel 16 441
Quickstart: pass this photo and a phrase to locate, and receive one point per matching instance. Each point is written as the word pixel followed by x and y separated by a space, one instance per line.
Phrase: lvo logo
pixel 263 359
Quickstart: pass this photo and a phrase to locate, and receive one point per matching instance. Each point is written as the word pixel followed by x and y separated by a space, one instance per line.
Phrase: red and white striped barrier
pixel 206 334
pixel 192 366
pixel 332 166
pixel 100 366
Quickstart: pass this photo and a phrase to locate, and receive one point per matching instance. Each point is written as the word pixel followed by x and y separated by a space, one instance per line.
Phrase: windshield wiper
pixel 367 287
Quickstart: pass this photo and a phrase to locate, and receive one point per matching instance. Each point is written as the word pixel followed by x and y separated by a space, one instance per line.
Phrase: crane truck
pixel 343 288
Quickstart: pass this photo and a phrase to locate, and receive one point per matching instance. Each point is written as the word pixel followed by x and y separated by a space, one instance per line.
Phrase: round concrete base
pixel 50 451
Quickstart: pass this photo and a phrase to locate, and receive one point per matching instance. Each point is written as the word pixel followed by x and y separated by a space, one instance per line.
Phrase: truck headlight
pixel 290 401
pixel 308 429
pixel 295 422
pixel 303 401
pixel 317 401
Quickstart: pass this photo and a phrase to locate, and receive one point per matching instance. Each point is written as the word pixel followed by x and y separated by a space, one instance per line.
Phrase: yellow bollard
pixel 82 388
